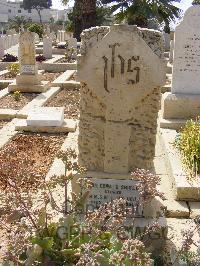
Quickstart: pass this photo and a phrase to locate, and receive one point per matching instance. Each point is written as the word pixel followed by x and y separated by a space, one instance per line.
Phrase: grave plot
pixel 69 98
pixel 29 154
pixel 16 100
pixel 183 158
pixel 50 76
pixel 66 60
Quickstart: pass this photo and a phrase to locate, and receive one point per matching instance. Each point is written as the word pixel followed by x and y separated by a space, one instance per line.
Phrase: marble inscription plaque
pixel 107 190
pixel 28 69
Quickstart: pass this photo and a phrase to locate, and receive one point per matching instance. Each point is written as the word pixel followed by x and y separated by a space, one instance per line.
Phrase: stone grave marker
pixel 46 117
pixel 47 47
pixel 121 69
pixel 2 49
pixel 121 75
pixel 185 90
pixel 37 38
pixel 171 54
pixel 28 80
pixel 186 68
pixel 72 42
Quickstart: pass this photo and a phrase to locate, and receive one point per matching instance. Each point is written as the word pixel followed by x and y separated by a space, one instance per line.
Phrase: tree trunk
pixel 84 16
pixel 39 13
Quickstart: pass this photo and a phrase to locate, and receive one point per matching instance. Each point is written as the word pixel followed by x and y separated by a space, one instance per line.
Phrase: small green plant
pixel 188 143
pixel 37 28
pixel 17 96
pixel 13 69
pixel 56 229
pixel 69 54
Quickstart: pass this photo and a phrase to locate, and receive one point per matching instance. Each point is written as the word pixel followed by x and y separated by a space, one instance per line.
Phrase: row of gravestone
pixel 7 41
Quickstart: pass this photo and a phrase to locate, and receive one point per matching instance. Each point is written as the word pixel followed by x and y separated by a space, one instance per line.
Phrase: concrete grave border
pixel 184 190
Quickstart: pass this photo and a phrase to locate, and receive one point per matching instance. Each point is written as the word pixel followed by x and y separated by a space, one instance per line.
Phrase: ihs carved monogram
pixel 123 64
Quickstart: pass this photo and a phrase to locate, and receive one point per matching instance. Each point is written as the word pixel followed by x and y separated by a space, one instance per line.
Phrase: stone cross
pixel 121 75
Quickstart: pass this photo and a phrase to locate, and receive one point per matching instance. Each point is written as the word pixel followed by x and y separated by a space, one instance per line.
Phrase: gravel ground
pixel 47 76
pixel 68 98
pixel 11 103
pixel 7 76
pixel 29 155
pixel 63 60
pixel 3 123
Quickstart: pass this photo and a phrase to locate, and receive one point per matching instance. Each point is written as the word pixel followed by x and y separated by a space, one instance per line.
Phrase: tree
pixel 37 28
pixel 139 12
pixel 17 22
pixel 196 2
pixel 103 17
pixel 84 15
pixel 38 5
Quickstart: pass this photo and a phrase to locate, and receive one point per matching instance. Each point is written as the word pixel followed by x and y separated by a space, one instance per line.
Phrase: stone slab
pixel 69 125
pixel 26 88
pixel 57 67
pixel 173 106
pixel 8 114
pixel 184 189
pixel 4 93
pixel 172 123
pixel 7 132
pixel 194 209
pixel 40 100
pixel 46 116
pixel 63 78
pixel 71 84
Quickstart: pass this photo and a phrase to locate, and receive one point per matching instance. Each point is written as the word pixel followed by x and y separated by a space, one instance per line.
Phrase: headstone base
pixel 42 87
pixel 180 106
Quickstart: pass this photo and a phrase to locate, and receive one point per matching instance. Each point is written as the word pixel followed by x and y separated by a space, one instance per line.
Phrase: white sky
pixel 184 4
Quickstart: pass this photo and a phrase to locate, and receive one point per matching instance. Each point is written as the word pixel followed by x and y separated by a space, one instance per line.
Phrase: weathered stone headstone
pixel 47 47
pixel 186 68
pixel 167 39
pixel 185 90
pixel 2 49
pixel 72 42
pixel 28 80
pixel 37 38
pixel 121 70
pixel 171 54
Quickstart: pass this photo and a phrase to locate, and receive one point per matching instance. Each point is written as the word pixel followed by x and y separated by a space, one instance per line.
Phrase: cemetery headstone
pixel 171 54
pixel 37 38
pixel 72 42
pixel 121 69
pixel 121 74
pixel 47 47
pixel 28 80
pixel 2 51
pixel 167 41
pixel 186 69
